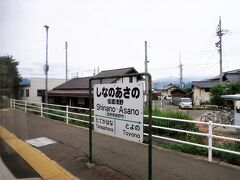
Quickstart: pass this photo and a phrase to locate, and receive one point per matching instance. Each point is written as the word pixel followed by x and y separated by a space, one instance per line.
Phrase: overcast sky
pixel 110 34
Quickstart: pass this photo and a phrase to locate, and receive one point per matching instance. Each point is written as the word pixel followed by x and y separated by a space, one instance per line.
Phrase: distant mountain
pixel 160 83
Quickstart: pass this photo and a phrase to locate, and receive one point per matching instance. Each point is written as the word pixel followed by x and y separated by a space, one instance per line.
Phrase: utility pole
pixel 146 70
pixel 98 70
pixel 66 57
pixel 220 32
pixel 46 67
pixel 181 72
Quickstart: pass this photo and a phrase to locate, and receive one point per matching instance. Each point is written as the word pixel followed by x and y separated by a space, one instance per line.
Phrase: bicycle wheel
pixel 205 118
pixel 231 121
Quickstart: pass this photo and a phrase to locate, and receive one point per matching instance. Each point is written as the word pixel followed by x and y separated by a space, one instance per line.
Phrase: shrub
pixel 78 123
pixel 223 89
pixel 227 157
pixel 178 135
pixel 174 124
pixel 52 110
pixel 185 148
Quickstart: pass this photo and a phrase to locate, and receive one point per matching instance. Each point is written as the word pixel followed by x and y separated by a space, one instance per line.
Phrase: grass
pixel 175 125
pixel 227 157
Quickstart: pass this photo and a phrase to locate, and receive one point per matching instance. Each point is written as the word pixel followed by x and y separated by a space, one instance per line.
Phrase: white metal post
pixel 41 110
pixel 25 106
pixel 210 128
pixel 10 103
pixel 67 114
pixel 14 103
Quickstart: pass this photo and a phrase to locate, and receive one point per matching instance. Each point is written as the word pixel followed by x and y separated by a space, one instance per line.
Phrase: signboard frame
pixel 149 97
pixel 118 110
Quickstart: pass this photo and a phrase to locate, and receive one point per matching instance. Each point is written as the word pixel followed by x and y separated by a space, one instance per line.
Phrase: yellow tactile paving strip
pixel 45 167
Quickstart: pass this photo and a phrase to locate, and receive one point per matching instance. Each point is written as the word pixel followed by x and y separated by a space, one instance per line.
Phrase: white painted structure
pixel 118 110
pixel 200 95
pixel 236 100
pixel 34 91
pixel 70 110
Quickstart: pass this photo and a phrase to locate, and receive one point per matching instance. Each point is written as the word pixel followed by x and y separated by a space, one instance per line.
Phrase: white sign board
pixel 118 110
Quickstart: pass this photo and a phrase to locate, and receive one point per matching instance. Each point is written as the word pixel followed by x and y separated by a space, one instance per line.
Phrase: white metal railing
pixel 68 113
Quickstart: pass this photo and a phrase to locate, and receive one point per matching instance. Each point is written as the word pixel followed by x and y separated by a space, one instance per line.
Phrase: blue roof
pixel 25 82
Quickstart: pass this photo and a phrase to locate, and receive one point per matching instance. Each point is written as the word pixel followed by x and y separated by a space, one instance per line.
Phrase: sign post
pixel 115 113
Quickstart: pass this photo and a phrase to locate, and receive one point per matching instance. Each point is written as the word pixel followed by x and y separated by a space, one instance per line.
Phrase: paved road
pixel 194 113
pixel 115 158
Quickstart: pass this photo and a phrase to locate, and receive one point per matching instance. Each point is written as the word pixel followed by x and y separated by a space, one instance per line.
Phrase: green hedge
pixel 176 125
pixel 227 157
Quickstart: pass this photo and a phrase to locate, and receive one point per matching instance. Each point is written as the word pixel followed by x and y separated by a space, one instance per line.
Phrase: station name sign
pixel 118 110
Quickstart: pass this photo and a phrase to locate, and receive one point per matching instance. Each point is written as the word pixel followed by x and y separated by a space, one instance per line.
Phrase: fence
pixel 70 113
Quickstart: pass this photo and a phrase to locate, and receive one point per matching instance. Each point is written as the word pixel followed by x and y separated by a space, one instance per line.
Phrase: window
pixel 238 109
pixel 21 92
pixel 130 79
pixel 207 89
pixel 27 92
pixel 40 92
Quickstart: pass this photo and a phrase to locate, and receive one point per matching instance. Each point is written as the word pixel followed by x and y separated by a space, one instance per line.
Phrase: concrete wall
pixel 199 95
pixel 39 83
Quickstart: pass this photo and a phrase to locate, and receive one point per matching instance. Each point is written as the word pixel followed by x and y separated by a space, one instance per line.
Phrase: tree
pixel 9 76
pixel 224 89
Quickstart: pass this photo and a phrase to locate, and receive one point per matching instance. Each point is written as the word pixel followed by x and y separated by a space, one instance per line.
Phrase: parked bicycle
pixel 222 116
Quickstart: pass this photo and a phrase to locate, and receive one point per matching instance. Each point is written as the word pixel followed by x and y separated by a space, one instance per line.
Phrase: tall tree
pixel 9 76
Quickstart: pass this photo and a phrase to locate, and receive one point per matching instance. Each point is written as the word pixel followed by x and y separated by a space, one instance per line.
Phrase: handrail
pixel 28 106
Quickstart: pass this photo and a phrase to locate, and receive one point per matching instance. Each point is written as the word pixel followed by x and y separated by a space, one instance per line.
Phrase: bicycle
pixel 206 117
pixel 223 117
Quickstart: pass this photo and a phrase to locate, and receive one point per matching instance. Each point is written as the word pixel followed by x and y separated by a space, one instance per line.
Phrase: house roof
pixel 25 82
pixel 169 87
pixel 79 86
pixel 73 84
pixel 228 76
pixel 115 72
pixel 233 75
pixel 77 93
pixel 204 84
pixel 179 90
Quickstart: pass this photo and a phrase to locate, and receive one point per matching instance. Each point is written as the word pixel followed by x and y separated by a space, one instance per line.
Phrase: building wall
pixel 37 84
pixel 176 96
pixel 126 80
pixel 199 95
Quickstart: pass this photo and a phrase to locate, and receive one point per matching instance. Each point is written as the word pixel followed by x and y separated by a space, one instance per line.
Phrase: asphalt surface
pixel 6 174
pixel 16 165
pixel 115 158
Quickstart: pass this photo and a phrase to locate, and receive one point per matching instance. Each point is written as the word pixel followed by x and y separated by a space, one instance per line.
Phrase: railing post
pixel 41 109
pixel 210 128
pixel 67 114
pixel 14 103
pixel 10 103
pixel 25 106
